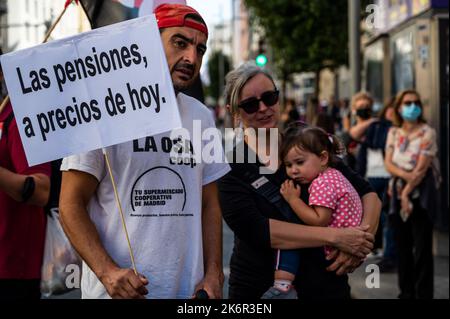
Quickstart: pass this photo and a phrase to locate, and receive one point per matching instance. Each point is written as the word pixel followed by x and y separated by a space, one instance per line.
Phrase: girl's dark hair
pixel 314 140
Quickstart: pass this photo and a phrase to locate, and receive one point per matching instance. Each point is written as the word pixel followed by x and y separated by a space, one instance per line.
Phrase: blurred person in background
pixel 344 111
pixel 358 120
pixel 312 109
pixel 335 113
pixel 361 116
pixel 325 122
pixel 370 164
pixel 290 113
pixel 410 150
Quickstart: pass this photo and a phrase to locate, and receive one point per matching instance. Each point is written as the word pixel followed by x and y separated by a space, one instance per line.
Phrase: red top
pixel 22 226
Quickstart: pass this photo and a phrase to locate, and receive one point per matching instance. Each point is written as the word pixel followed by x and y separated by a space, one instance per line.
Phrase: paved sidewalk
pixel 388 281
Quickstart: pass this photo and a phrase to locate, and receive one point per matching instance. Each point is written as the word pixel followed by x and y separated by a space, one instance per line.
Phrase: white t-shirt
pixel 162 203
pixel 375 164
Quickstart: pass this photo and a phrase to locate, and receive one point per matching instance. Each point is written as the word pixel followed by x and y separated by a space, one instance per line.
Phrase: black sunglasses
pixel 251 105
pixel 408 103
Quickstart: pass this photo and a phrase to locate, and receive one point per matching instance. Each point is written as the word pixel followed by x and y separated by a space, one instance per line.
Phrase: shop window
pixel 402 53
pixel 373 66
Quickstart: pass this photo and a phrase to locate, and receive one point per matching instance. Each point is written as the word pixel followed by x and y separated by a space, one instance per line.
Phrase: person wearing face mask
pixel 370 164
pixel 410 150
pixel 358 121
pixel 361 119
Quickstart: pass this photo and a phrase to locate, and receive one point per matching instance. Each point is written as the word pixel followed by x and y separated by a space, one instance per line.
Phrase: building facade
pixel 24 23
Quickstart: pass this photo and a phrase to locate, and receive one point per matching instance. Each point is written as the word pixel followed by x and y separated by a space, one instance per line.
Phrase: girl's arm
pixel 314 216
pixel 356 241
pixel 247 222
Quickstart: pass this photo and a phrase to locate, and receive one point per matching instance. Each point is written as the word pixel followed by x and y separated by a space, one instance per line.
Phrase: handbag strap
pixel 261 185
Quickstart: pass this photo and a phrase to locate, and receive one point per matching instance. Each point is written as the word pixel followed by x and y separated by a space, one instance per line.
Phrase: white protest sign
pixel 92 90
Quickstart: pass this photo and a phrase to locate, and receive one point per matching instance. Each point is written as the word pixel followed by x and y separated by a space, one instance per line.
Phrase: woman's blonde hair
pixel 361 96
pixel 236 80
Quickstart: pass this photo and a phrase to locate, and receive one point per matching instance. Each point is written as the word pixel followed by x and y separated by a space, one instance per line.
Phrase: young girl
pixel 308 157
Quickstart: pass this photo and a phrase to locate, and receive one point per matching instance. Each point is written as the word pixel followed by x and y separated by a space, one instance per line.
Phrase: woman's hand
pixel 390 190
pixel 356 241
pixel 413 177
pixel 290 191
pixel 344 263
pixel 406 203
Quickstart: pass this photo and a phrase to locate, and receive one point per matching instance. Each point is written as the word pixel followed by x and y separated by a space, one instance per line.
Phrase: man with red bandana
pixel 170 204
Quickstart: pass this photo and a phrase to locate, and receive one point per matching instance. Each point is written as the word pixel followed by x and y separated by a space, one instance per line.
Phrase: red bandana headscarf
pixel 174 15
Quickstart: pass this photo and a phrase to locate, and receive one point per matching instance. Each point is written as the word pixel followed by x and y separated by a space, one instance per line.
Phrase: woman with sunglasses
pixel 410 149
pixel 257 215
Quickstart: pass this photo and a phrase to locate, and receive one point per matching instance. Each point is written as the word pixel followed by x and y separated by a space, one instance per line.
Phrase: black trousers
pixel 17 289
pixel 414 240
pixel 380 186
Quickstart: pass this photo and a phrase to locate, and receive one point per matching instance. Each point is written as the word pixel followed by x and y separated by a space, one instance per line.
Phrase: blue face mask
pixel 411 112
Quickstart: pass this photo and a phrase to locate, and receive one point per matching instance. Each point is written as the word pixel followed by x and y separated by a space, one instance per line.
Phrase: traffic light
pixel 261 58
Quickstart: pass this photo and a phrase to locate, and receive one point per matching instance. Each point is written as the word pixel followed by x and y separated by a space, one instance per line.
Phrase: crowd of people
pixel 298 232
pixel 395 151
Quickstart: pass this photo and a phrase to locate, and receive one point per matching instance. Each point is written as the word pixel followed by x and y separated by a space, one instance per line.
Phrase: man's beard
pixel 182 85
